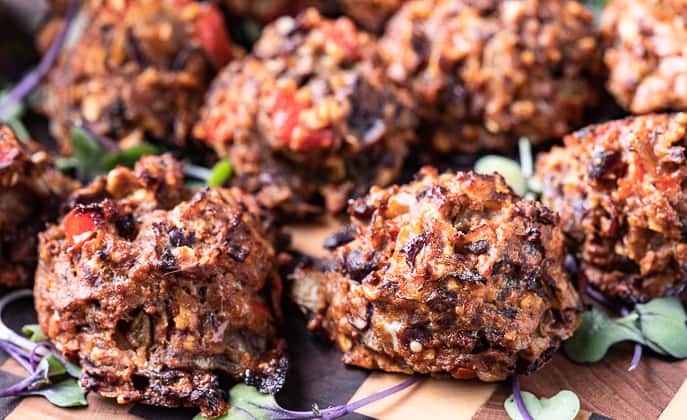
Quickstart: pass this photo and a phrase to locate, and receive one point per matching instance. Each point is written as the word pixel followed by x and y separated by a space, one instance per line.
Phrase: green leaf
pixel 128 157
pixel 88 154
pixel 34 332
pixel 246 402
pixel 563 406
pixel 19 129
pixel 507 168
pixel 662 321
pixel 598 333
pixel 15 112
pixel 221 172
pixel 67 393
pixel 52 366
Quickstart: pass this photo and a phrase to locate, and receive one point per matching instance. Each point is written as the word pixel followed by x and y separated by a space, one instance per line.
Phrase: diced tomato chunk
pixel 343 35
pixel 214 36
pixel 79 223
pixel 285 113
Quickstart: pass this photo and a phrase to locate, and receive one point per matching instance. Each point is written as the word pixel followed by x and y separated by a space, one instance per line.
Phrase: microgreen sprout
pixel 50 375
pixel 519 176
pixel 247 403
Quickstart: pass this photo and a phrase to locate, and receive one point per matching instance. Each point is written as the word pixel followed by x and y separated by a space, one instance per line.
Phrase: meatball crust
pixel 644 54
pixel 308 118
pixel 160 295
pixel 372 15
pixel 487 72
pixel 620 189
pixel 27 177
pixel 138 70
pixel 451 274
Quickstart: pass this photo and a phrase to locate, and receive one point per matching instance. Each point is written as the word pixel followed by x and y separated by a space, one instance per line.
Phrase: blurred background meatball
pixel 372 15
pixel 645 54
pixel 31 193
pixel 620 189
pixel 450 274
pixel 137 70
pixel 160 295
pixel 308 119
pixel 487 72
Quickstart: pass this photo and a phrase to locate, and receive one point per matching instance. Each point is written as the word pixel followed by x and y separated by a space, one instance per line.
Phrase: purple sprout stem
pixel 340 410
pixel 21 386
pixel 517 395
pixel 599 298
pixel 637 354
pixel 34 357
pixel 33 78
pixel 18 354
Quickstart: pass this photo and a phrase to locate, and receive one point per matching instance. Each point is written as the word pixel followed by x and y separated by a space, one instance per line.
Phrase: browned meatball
pixel 161 295
pixel 31 193
pixel 487 72
pixel 450 274
pixel 138 70
pixel 645 53
pixel 308 118
pixel 370 14
pixel 621 191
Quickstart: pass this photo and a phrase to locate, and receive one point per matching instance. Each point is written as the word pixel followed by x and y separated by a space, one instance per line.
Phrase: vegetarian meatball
pixel 31 193
pixel 308 120
pixel 487 72
pixel 162 295
pixel 644 54
pixel 137 70
pixel 370 14
pixel 451 274
pixel 621 191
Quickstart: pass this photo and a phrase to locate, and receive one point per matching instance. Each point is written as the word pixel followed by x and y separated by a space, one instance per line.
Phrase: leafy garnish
pixel 221 172
pixel 507 168
pixel 519 176
pixel 215 177
pixel 129 156
pixel 247 403
pixel 563 406
pixel 662 322
pixel 598 333
pixel 49 372
pixel 34 332
pixel 90 156
pixel 659 325
pixel 12 116
pixel 66 393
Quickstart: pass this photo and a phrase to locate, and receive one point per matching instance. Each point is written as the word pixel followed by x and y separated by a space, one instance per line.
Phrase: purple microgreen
pixel 46 366
pixel 34 77
pixel 518 399
pixel 599 298
pixel 246 402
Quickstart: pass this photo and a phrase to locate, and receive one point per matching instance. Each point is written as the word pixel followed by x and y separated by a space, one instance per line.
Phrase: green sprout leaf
pixel 66 393
pixel 598 333
pixel 507 168
pixel 87 154
pixel 13 117
pixel 129 156
pixel 563 406
pixel 221 172
pixel 662 322
pixel 247 403
pixel 34 332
